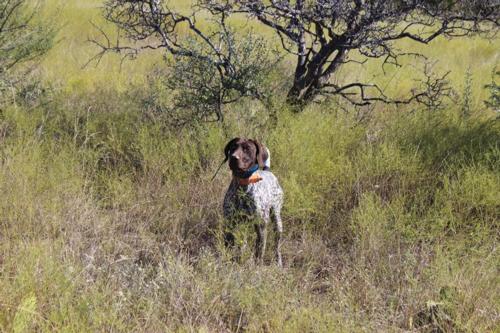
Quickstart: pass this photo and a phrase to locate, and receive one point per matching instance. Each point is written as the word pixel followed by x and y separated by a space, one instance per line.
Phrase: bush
pixel 494 88
pixel 195 90
pixel 24 38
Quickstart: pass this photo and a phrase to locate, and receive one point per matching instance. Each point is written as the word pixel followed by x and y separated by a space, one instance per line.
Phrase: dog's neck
pixel 255 178
pixel 251 176
pixel 246 174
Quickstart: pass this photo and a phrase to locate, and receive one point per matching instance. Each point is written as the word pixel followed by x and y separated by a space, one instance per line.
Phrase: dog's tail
pixel 218 169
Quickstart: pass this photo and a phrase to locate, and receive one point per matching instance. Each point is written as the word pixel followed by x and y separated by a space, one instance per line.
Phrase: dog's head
pixel 243 154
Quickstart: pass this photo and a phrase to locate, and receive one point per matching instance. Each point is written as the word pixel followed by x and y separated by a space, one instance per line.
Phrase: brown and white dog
pixel 254 192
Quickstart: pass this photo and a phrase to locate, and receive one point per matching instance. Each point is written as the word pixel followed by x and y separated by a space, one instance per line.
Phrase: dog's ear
pixel 228 147
pixel 261 155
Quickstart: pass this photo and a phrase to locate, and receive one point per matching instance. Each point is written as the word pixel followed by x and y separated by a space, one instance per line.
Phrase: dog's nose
pixel 235 156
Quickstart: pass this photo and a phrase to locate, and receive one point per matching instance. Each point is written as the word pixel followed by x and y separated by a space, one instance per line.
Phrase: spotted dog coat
pixel 262 200
pixel 259 201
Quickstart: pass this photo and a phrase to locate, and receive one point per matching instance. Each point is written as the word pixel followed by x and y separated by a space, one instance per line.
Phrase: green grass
pixel 110 222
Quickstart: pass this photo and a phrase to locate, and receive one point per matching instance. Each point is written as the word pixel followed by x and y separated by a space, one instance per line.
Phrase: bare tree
pixel 322 35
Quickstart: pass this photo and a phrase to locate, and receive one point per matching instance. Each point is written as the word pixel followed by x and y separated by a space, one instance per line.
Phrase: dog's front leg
pixel 278 247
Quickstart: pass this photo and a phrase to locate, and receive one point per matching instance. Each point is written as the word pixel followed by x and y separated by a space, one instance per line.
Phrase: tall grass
pixel 110 222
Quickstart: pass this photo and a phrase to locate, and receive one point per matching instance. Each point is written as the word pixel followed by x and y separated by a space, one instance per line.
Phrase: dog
pixel 254 193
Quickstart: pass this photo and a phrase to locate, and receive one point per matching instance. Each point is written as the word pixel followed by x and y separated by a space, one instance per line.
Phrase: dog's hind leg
pixel 278 230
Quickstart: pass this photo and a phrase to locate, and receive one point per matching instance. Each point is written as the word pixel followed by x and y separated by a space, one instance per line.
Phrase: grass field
pixel 109 220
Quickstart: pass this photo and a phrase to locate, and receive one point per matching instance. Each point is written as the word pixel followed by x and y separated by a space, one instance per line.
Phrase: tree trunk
pixel 311 73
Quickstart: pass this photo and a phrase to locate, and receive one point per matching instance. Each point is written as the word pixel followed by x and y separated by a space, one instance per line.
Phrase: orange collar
pixel 254 178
